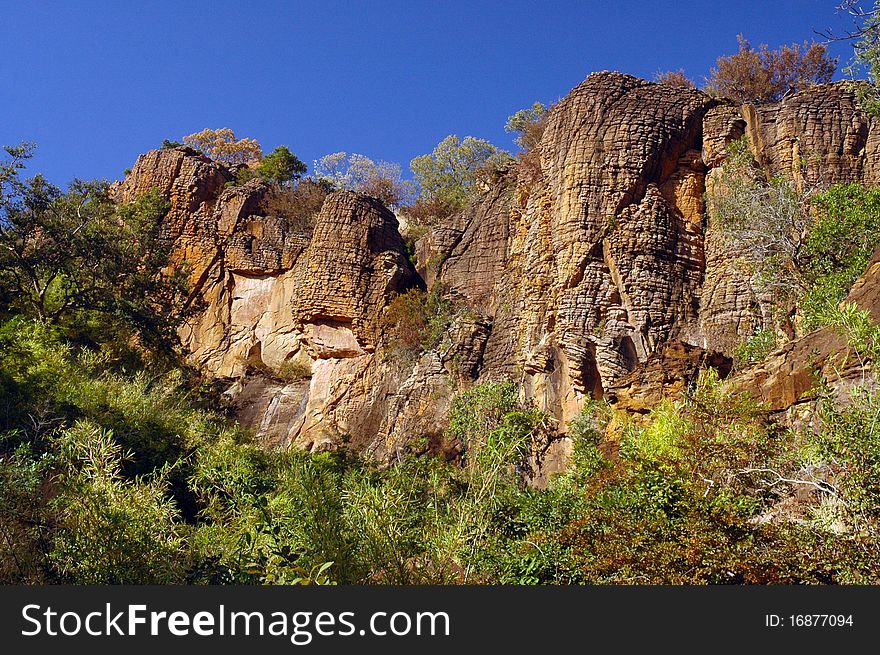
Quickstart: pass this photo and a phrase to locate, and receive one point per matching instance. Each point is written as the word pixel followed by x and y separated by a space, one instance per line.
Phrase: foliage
pixel 417 321
pixel 840 243
pixel 115 477
pixel 806 247
pixel 111 530
pixel 223 146
pixel 675 78
pixel 289 371
pixel 451 171
pixel 297 206
pixel 865 39
pixel 527 124
pixel 281 166
pixel 429 211
pixel 355 172
pixel 756 347
pixel 481 409
pixel 169 145
pixel 73 258
pixel 765 75
pixel 765 220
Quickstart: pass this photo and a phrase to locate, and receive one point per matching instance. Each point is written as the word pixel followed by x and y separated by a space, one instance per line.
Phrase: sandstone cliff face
pixel 611 277
pixel 605 278
pixel 300 309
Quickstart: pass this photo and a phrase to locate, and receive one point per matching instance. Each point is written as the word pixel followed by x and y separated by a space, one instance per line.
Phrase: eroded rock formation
pixel 603 278
pixel 612 278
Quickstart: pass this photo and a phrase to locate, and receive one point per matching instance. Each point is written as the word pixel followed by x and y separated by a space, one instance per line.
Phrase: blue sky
pixel 94 84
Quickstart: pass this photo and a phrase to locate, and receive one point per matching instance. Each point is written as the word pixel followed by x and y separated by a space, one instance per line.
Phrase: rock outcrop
pixel 611 278
pixel 603 278
pixel 299 309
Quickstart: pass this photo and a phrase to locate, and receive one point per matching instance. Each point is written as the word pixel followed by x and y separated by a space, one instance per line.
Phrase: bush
pixel 108 477
pixel 675 78
pixel 766 75
pixel 528 124
pixel 417 321
pixel 429 211
pixel 755 348
pixel 111 530
pixel 839 245
pixel 298 206
pixel 764 221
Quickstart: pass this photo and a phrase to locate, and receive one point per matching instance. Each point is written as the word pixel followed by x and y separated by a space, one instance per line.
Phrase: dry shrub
pixel 765 75
pixel 528 165
pixel 406 318
pixel 390 191
pixel 429 211
pixel 298 206
pixel 674 78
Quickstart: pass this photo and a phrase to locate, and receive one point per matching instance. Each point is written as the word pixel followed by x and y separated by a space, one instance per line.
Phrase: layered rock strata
pixel 605 277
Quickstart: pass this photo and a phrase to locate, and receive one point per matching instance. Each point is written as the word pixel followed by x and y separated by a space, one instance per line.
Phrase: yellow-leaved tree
pixel 221 145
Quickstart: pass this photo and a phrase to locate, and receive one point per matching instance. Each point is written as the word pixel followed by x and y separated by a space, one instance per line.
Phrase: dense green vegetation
pixel 110 476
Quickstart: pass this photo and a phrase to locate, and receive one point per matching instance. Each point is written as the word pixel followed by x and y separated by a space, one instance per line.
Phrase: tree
pixel 528 125
pixel 674 78
pixel 766 75
pixel 865 38
pixel 281 166
pixel 449 174
pixel 355 172
pixel 221 145
pixel 65 257
pixel 765 221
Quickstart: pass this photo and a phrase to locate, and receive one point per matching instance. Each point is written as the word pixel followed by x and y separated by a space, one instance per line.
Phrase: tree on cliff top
pixel 528 125
pixel 765 75
pixel 221 145
pixel 674 78
pixel 281 166
pixel 449 174
pixel 354 172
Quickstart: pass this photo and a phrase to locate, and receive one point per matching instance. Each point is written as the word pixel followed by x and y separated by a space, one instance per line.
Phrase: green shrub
pixel 755 348
pixel 111 530
pixel 840 243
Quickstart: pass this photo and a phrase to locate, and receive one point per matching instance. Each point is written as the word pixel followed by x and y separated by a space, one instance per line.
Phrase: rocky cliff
pixel 602 278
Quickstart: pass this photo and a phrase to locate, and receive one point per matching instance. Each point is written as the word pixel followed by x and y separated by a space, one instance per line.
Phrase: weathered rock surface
pixel 610 279
pixel 604 278
pixel 299 310
pixel 667 373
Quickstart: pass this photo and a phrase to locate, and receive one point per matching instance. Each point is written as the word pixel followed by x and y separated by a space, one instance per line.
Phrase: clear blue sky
pixel 96 83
